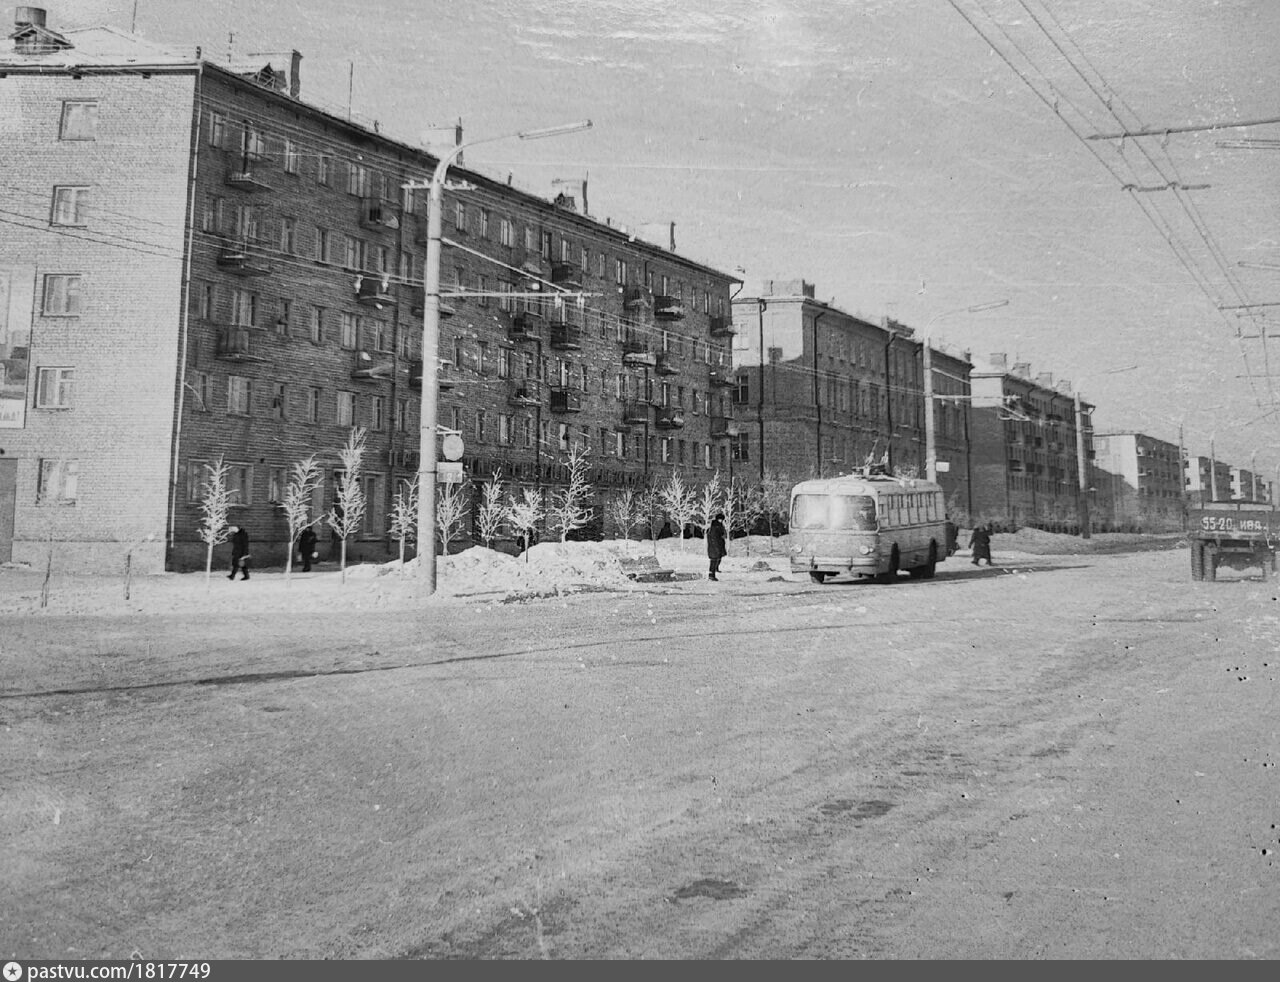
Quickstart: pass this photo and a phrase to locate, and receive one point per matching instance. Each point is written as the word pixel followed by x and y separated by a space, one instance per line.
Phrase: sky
pixel 910 158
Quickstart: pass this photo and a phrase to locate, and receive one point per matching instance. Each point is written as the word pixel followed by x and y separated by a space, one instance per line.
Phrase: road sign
pixel 449 472
pixel 943 466
pixel 452 447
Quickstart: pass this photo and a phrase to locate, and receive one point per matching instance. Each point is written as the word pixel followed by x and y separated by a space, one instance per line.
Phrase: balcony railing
pixel 666 365
pixel 668 308
pixel 566 274
pixel 565 400
pixel 566 337
pixel 718 376
pixel 378 215
pixel 636 297
pixel 670 417
pixel 374 291
pixel 247 179
pixel 446 376
pixel 722 327
pixel 371 365
pixel 525 392
pixel 638 353
pixel 244 257
pixel 235 344
pixel 723 426
pixel 635 412
pixel 526 326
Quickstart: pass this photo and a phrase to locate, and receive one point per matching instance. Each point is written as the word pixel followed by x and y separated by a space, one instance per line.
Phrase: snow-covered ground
pixel 475 574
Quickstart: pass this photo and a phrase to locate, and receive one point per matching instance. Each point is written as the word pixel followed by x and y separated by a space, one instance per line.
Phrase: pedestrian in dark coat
pixel 980 545
pixel 715 544
pixel 239 552
pixel 307 546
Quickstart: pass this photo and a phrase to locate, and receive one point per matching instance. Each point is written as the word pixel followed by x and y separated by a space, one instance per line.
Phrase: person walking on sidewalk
pixel 980 545
pixel 715 545
pixel 239 552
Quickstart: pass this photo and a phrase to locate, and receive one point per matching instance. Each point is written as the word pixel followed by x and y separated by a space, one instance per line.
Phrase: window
pixel 288 236
pixel 290 157
pixel 563 435
pixel 460 216
pixel 742 389
pixel 285 318
pixel 253 145
pixel 482 287
pixel 211 216
pixel 323 244
pixel 738 447
pixel 240 484
pixel 217 130
pixel 349 329
pixel 275 485
pixel 402 414
pixel 484 223
pixel 619 443
pixel 313 405
pixel 204 301
pixel 620 271
pixel 58 480
pixel 54 387
pixel 316 326
pixel 527 427
pixel 69 205
pixel 504 428
pixel 355 250
pixel 239 395
pixel 346 408
pixel 248 221
pixel 480 422
pixel 201 390
pixel 324 170
pixel 358 180
pixel 377 413
pixel 665 444
pixel 375 498
pixel 244 308
pixel 506 232
pixel 546 245
pixel 79 120
pixel 277 402
pixel 61 295
pixel 706 455
pixel 504 362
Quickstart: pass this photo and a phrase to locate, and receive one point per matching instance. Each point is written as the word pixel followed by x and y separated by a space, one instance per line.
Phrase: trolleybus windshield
pixel 829 512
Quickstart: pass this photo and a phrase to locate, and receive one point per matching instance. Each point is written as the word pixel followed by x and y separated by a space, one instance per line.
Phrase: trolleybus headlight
pixel 865 550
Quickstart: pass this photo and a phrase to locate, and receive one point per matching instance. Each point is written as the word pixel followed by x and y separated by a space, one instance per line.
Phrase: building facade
pixel 202 266
pixel 819 392
pixel 1138 484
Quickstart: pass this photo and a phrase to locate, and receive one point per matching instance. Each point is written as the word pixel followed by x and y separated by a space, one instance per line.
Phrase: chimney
pixel 1022 369
pixel 1064 386
pixel 1045 380
pixel 28 17
pixel 295 80
pixel 999 361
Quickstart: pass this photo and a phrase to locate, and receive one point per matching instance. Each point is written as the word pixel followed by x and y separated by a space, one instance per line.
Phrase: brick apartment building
pixel 196 263
pixel 1138 482
pixel 819 392
pixel 1024 449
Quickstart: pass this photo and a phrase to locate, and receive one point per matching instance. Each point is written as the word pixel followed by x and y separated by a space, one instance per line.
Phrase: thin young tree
pixel 451 513
pixel 215 501
pixel 775 501
pixel 709 502
pixel 491 513
pixel 742 509
pixel 622 511
pixel 569 510
pixel 348 512
pixel 524 514
pixel 304 478
pixel 404 515
pixel 649 513
pixel 678 500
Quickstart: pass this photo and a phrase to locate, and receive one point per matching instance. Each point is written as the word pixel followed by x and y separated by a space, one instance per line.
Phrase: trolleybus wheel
pixel 927 571
pixel 818 577
pixel 1197 560
pixel 1210 563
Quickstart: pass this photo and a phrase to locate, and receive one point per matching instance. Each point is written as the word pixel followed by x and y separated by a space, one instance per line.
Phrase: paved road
pixel 1076 758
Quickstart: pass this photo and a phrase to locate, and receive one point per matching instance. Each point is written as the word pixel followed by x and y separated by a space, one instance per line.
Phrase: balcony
pixel 665 365
pixel 634 413
pixel 244 258
pixel 637 297
pixel 247 179
pixel 235 344
pixel 567 275
pixel 372 366
pixel 377 214
pixel 668 308
pixel 526 326
pixel 446 376
pixel 721 377
pixel 565 400
pixel 638 353
pixel 670 417
pixel 525 392
pixel 374 291
pixel 722 327
pixel 566 337
pixel 723 427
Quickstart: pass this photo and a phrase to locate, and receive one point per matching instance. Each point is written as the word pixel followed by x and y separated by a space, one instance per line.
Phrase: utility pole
pixel 1082 468
pixel 760 397
pixel 817 392
pixel 930 432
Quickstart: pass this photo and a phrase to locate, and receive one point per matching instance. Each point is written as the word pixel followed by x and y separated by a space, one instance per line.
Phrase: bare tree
pixel 304 478
pixel 649 513
pixel 709 502
pixel 451 513
pixel 743 508
pixel 404 515
pixel 623 512
pixel 348 512
pixel 215 500
pixel 524 514
pixel 775 501
pixel 678 499
pixel 569 509
pixel 491 513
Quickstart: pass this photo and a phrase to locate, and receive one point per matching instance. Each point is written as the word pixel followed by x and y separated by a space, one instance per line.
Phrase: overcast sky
pixel 884 150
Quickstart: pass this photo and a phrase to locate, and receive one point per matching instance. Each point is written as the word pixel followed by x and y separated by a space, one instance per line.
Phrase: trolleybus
pixel 867 524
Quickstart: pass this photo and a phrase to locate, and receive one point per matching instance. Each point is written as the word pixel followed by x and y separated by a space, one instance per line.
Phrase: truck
pixel 1235 534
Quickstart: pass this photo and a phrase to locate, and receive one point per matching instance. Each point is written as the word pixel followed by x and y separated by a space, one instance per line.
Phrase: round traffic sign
pixel 452 447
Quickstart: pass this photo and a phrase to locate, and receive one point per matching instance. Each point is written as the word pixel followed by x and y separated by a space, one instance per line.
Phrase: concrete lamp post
pixel 926 369
pixel 431 343
pixel 1082 456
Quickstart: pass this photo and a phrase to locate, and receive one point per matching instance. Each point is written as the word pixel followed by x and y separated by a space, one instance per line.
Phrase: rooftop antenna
pixel 351 80
pixel 133 24
pixel 231 38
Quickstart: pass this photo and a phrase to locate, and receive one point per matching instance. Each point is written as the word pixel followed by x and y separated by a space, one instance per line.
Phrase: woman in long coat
pixel 715 544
